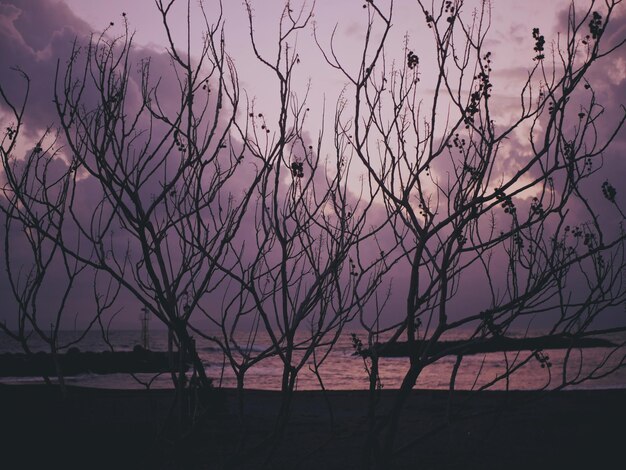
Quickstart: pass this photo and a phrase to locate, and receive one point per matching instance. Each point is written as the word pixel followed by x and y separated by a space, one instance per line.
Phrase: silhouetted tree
pixel 300 278
pixel 459 213
pixel 153 159
pixel 33 205
pixel 173 167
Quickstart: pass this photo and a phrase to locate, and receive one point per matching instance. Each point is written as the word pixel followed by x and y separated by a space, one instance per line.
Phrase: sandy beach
pixel 97 428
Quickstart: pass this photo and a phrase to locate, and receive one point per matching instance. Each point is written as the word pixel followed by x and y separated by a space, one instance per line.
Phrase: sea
pixel 341 369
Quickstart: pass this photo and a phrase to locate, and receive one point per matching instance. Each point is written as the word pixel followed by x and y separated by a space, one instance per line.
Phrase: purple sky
pixel 35 33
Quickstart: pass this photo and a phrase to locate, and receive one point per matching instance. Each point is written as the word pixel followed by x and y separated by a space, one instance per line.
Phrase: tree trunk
pixel 371 449
pixel 390 425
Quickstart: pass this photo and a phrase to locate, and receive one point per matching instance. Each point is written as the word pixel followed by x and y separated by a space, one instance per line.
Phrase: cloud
pixel 607 78
pixel 34 34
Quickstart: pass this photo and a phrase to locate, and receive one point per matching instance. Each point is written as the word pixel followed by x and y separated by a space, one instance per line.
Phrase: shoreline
pixel 116 428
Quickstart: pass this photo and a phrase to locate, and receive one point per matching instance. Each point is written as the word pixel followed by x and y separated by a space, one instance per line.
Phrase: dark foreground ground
pixel 489 430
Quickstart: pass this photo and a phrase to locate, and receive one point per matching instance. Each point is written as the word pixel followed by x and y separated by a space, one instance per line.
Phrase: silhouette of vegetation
pixel 226 223
pixel 460 215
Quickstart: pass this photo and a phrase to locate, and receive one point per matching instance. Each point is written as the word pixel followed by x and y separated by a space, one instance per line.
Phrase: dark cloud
pixel 34 37
pixel 34 34
pixel 607 78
